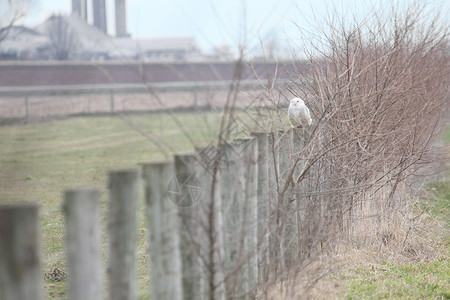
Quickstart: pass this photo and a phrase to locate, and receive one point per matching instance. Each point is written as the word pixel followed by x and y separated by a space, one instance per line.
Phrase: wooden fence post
pixel 20 259
pixel 247 157
pixel 273 184
pixel 211 220
pixel 27 114
pixel 122 233
pixel 300 201
pixel 285 149
pixel 195 91
pixel 288 224
pixel 163 226
pixel 238 186
pixel 229 169
pixel 83 243
pixel 189 195
pixel 263 206
pixel 111 102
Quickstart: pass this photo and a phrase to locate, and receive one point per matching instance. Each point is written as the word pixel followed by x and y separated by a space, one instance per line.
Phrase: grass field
pixel 38 161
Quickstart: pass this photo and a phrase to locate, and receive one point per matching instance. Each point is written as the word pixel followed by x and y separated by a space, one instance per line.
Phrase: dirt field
pixel 43 107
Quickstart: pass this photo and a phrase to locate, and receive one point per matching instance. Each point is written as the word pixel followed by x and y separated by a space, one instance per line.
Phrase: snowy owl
pixel 298 113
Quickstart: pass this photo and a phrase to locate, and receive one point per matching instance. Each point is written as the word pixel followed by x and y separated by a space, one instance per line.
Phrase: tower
pixel 79 8
pixel 99 13
pixel 121 20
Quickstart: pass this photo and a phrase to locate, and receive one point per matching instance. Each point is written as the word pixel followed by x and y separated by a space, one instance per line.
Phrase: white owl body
pixel 298 113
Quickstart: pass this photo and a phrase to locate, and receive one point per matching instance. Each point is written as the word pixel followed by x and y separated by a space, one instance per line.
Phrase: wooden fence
pixel 220 226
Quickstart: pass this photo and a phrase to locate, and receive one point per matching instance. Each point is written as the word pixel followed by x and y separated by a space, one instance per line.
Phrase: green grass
pixel 393 280
pixel 38 161
pixel 418 280
pixel 438 203
pixel 56 289
pixel 399 280
pixel 446 135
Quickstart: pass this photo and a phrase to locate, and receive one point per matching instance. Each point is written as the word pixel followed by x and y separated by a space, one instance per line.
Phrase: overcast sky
pixel 218 22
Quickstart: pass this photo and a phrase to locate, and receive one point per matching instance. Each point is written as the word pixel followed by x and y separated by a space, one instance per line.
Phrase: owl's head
pixel 297 101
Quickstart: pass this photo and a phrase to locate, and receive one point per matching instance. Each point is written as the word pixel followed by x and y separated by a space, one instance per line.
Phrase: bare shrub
pixel 63 41
pixel 378 90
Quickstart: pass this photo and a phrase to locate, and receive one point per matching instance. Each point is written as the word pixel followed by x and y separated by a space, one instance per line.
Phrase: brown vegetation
pixel 378 91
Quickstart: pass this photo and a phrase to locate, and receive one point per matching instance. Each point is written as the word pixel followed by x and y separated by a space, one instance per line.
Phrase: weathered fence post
pixel 20 260
pixel 300 201
pixel 310 219
pixel 211 219
pixel 195 92
pixel 163 226
pixel 122 233
pixel 263 206
pixel 111 102
pixel 27 114
pixel 189 195
pixel 273 186
pixel 285 149
pixel 247 157
pixel 289 210
pixel 83 244
pixel 229 167
pixel 238 186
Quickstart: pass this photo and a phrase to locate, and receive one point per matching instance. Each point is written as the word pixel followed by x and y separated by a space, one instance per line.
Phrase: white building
pixel 88 42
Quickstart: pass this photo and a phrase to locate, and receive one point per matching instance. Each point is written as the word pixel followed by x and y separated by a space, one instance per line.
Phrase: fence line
pixel 157 87
pixel 218 225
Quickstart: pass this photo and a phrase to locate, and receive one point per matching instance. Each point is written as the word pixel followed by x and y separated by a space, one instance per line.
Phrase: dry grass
pixel 45 107
pixel 408 260
pixel 359 270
